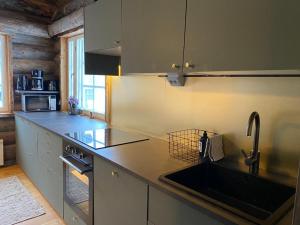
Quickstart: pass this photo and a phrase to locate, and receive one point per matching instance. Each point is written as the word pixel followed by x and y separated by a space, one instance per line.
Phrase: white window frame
pixel 5 78
pixel 106 116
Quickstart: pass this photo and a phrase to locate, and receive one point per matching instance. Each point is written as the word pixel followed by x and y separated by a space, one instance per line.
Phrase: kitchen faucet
pixel 252 160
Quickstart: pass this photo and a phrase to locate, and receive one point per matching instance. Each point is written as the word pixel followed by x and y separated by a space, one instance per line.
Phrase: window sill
pixel 6 115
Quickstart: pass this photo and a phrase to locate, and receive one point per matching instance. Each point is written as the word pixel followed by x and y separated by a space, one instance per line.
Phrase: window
pixel 4 87
pixel 90 90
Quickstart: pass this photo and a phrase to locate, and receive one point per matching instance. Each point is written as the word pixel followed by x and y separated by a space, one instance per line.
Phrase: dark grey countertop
pixel 146 160
pixel 61 122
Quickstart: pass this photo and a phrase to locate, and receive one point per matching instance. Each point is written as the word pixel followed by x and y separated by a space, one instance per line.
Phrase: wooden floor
pixel 51 217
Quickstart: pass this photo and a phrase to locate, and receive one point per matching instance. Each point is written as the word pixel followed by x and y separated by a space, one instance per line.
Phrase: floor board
pixel 51 217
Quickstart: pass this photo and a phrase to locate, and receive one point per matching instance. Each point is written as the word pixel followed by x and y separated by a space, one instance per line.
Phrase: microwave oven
pixel 39 103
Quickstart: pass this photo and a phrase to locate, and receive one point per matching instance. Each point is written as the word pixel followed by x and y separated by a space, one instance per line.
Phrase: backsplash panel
pixel 151 105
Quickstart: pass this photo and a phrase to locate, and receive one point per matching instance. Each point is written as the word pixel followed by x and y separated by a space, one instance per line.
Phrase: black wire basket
pixel 184 145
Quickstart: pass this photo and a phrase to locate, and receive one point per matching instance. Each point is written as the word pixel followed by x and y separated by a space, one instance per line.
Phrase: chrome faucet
pixel 252 160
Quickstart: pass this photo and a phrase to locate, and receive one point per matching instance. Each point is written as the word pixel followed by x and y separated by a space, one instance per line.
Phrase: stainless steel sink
pixel 257 199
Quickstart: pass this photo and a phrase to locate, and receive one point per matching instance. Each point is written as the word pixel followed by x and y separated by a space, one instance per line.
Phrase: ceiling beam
pixel 69 6
pixel 72 22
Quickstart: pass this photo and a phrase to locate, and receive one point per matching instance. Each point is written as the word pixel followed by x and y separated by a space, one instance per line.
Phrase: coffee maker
pixel 37 80
pixel 22 83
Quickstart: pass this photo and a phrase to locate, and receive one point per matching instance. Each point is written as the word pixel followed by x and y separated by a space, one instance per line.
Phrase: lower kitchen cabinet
pixel 166 210
pixel 119 198
pixel 37 154
pixel 70 217
pixel 51 169
pixel 26 152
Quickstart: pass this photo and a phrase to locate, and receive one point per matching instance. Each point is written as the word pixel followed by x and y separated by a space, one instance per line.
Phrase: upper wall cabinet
pixel 102 28
pixel 236 35
pixel 198 36
pixel 152 36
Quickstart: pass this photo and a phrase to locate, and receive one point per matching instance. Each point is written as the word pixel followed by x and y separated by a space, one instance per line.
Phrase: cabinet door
pixel 152 35
pixel 51 172
pixel 119 197
pixel 166 210
pixel 102 25
pixel 70 217
pixel 242 35
pixel 26 139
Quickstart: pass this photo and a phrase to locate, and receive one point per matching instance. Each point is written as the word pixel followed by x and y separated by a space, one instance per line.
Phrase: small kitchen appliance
pixel 52 85
pixel 37 80
pixel 22 83
pixel 38 102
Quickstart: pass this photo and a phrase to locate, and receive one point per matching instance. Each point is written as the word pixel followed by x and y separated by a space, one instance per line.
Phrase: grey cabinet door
pixel 102 25
pixel 152 35
pixel 70 217
pixel 119 197
pixel 37 154
pixel 51 172
pixel 242 35
pixel 166 210
pixel 26 139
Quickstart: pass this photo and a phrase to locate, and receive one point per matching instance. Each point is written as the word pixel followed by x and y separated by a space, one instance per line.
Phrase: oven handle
pixel 83 170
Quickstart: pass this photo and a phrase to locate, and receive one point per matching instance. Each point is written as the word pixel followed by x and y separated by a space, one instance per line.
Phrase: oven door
pixel 78 188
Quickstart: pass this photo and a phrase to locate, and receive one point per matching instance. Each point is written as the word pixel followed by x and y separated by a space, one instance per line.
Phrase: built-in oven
pixel 78 181
pixel 39 102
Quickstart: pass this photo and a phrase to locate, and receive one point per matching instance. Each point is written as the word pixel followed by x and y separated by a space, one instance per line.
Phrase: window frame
pixel 4 53
pixel 104 117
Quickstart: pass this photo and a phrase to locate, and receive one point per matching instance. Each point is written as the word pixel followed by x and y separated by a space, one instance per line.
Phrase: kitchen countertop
pixel 146 160
pixel 61 122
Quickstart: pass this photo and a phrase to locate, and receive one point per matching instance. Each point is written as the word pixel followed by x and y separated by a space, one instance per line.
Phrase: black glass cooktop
pixel 103 138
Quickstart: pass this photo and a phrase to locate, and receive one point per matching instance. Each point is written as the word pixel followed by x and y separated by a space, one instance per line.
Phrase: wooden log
pixel 9 152
pixel 39 9
pixel 19 15
pixel 8 137
pixel 31 40
pixel 69 23
pixel 7 125
pixel 66 7
pixel 10 22
pixel 21 51
pixel 24 66
pixel 17 106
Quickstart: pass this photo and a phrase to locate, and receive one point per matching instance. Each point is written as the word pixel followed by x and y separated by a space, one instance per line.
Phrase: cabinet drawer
pixel 70 217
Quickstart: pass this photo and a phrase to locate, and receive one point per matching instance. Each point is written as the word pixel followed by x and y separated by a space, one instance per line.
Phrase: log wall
pixel 31 52
pixel 31 48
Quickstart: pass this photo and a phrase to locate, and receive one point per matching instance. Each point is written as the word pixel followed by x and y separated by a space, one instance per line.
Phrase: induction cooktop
pixel 104 138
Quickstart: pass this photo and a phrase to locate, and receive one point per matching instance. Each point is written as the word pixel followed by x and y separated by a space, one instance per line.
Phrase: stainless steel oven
pixel 79 181
pixel 38 102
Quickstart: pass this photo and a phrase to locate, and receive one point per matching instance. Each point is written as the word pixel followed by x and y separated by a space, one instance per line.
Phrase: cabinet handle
pixel 114 174
pixel 117 42
pixel 188 65
pixel 175 66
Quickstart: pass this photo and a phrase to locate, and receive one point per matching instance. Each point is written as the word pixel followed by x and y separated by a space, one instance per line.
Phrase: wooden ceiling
pixel 48 9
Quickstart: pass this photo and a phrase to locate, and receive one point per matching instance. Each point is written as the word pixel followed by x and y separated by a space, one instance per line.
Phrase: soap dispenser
pixel 203 144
